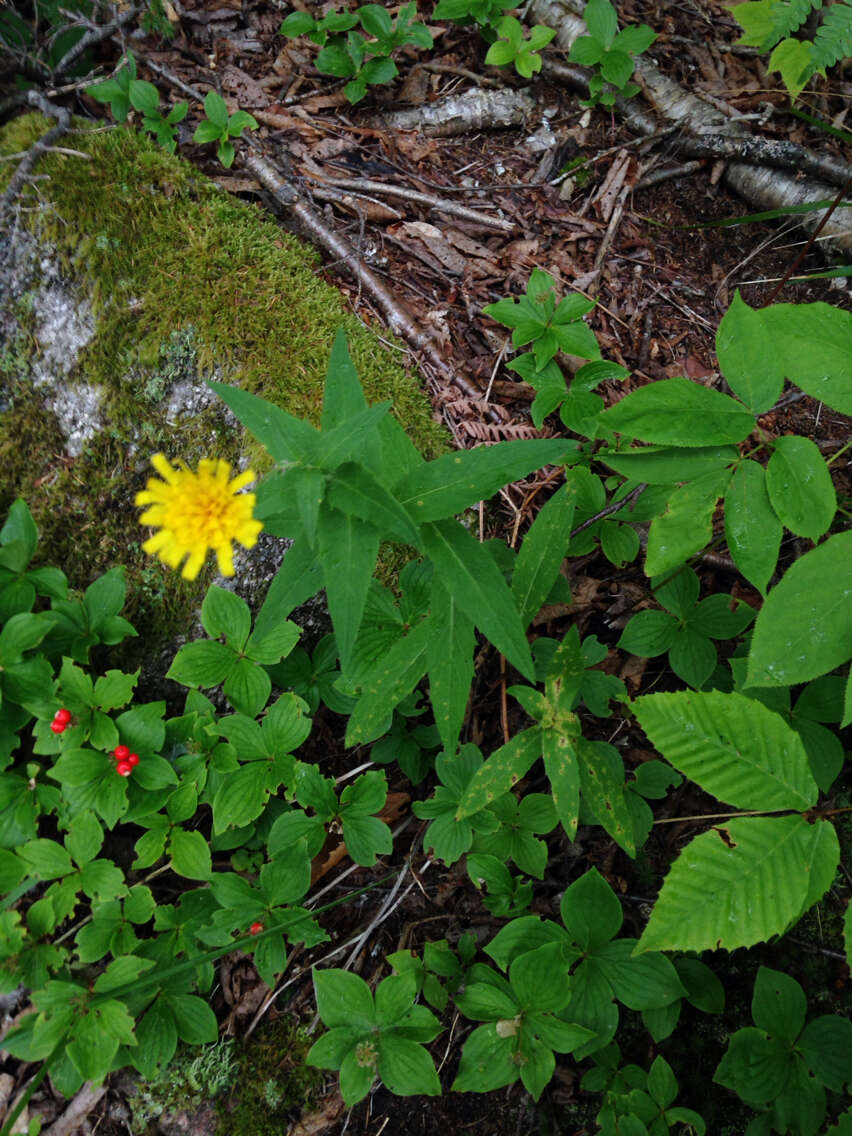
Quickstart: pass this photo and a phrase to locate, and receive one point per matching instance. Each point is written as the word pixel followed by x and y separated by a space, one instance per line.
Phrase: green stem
pixel 9 1123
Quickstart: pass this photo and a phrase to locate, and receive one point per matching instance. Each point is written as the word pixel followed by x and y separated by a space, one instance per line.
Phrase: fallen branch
pixel 398 318
pixel 95 35
pixel 436 204
pixel 461 114
pixel 39 147
pixel 767 188
pixel 77 1110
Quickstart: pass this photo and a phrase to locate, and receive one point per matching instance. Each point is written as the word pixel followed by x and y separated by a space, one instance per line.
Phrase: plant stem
pixel 725 816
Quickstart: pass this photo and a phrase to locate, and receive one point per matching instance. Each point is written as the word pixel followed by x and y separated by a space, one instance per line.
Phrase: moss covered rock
pixel 130 278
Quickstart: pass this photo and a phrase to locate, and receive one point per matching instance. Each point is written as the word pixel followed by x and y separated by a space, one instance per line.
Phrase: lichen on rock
pixel 131 280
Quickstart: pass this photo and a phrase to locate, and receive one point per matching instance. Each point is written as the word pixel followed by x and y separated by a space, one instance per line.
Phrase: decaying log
pixel 766 188
pixel 465 113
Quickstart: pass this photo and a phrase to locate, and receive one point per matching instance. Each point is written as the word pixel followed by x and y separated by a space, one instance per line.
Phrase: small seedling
pixel 221 127
pixel 610 52
pixel 513 47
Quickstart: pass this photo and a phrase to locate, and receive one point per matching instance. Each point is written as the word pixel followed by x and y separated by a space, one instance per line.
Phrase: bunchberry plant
pixel 220 127
pixel 782 1066
pixel 370 1035
pixel 486 13
pixel 116 90
pixel 686 628
pixel 364 60
pixel 145 98
pixel 610 52
pixel 512 46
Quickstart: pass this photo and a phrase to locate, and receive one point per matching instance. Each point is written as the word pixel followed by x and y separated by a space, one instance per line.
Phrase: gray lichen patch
pixel 136 281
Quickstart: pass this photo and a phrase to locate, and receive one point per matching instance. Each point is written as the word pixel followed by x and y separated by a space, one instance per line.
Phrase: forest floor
pixel 666 278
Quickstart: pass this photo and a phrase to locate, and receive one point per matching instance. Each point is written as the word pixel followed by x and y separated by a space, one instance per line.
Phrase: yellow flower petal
pixel 197 513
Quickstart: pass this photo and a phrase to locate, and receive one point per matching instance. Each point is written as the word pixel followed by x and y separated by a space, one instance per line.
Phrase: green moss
pixel 186 282
pixel 274 1084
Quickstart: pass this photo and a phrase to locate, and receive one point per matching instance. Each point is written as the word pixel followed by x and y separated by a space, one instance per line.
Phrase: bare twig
pixel 612 507
pixel 77 1110
pixel 39 147
pixel 438 204
pixel 95 35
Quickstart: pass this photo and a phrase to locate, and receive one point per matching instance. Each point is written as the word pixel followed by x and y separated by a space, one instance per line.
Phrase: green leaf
pixel 826 1047
pixel 46 859
pixel 778 1004
pixel 543 551
pixel 85 837
pixel 92 1049
pixel 486 1062
pixel 601 20
pixel 562 766
pixel 503 769
pixel 678 412
pixel 479 589
pixel 644 983
pixel 686 527
pixel 20 526
pixel 247 687
pixel 144 96
pixel 742 882
pixel 190 854
pixel 754 1066
pixel 648 634
pixel 804 628
pixel 205 663
pixel 703 988
pixel 452 482
pixel 591 911
pixel 666 465
pixel 156 1038
pixel 405 1067
pixel 800 487
pixel 224 614
pixel 387 682
pixel 732 746
pixel 354 490
pixel 288 439
pixel 207 131
pixel 815 342
pixel 241 796
pixel 752 528
pixel 347 549
pixel 749 355
pixel 21 633
pixel 603 790
pixel 216 110
pixel 449 660
pixel 195 1021
pixel 343 999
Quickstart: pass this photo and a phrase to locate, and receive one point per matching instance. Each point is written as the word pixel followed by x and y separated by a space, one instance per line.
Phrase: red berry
pixel 133 760
pixel 58 727
pixel 121 753
pixel 63 716
pixel 255 928
pixel 124 768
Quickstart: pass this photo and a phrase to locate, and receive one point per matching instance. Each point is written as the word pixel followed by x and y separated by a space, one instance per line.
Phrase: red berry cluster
pixel 256 928
pixel 125 761
pixel 60 721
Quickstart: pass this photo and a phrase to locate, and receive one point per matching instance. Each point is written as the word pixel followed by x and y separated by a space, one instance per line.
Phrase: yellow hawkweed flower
pixel 196 512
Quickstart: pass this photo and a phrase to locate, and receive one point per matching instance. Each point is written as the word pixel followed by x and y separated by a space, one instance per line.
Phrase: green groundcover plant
pixel 217 795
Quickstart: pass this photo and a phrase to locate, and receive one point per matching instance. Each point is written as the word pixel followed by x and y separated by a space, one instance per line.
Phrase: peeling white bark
pixel 761 186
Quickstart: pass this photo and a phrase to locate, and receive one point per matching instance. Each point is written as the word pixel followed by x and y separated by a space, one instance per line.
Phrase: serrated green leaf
pixel 740 883
pixel 804 628
pixel 732 746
